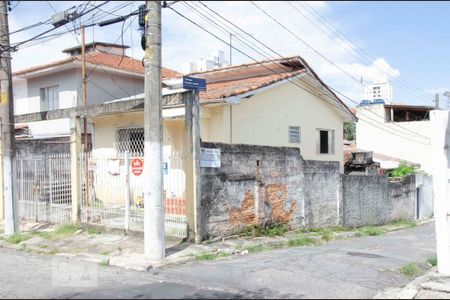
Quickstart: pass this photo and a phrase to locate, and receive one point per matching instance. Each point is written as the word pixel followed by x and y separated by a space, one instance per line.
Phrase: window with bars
pixel 129 139
pixel 49 98
pixel 294 134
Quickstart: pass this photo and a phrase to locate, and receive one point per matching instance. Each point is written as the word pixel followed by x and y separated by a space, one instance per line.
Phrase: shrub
pixel 271 229
pixel 402 170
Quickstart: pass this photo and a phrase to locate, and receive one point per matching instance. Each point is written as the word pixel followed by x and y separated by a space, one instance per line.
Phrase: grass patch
pixel 432 261
pixel 61 231
pixel 211 256
pixel 303 241
pixel 104 263
pixel 370 231
pixel 18 238
pixel 92 230
pixel 410 270
pixel 67 229
pixel 401 222
pixel 272 229
pixel 255 248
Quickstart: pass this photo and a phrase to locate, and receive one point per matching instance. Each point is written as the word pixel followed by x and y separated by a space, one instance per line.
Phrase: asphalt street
pixel 353 268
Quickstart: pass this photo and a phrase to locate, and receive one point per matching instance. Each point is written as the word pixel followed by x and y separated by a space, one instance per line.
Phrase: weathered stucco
pixel 374 200
pixel 255 184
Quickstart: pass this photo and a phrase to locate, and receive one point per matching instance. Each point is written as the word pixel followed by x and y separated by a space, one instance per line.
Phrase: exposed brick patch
pixel 246 214
pixel 276 195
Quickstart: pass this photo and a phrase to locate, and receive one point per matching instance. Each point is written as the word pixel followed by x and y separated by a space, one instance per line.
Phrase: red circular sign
pixel 137 166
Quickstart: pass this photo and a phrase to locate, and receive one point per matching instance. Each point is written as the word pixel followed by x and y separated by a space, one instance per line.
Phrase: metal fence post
pixel 127 190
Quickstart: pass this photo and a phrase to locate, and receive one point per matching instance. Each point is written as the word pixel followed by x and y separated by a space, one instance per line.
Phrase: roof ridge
pixel 285 58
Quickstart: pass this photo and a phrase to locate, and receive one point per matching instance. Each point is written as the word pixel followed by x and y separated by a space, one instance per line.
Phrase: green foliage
pixel 303 241
pixel 402 170
pixel 370 230
pixel 401 222
pixel 349 131
pixel 18 238
pixel 432 261
pixel 67 229
pixel 92 230
pixel 210 256
pixel 410 270
pixel 272 229
pixel 255 248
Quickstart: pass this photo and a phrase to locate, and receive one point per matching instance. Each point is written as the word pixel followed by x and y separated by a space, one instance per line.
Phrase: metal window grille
pixel 129 139
pixel 294 134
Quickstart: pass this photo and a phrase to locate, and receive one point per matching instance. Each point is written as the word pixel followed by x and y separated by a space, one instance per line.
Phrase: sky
pixel 348 44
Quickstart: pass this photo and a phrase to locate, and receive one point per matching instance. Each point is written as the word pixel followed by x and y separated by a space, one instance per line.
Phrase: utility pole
pixel 154 243
pixel 84 95
pixel 7 122
pixel 436 101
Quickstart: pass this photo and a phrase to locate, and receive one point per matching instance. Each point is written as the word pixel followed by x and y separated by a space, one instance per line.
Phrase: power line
pixel 340 108
pixel 16 45
pixel 362 53
pixel 247 34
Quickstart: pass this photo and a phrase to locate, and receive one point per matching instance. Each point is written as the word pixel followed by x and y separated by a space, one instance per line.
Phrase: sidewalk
pixel 127 251
pixel 432 285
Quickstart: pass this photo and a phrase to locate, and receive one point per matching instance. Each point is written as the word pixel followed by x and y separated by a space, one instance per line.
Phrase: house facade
pixel 396 130
pixel 58 85
pixel 247 104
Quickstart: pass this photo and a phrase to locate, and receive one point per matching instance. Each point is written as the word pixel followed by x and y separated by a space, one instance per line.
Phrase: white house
pixel 396 130
pixel 57 85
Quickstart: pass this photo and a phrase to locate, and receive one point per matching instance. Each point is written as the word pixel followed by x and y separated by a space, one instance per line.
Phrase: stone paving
pixel 432 285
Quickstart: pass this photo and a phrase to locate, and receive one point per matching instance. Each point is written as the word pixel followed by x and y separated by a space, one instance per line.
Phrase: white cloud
pixel 184 42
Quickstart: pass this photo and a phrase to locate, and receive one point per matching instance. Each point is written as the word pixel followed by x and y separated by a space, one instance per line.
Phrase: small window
pixel 129 139
pixel 50 98
pixel 326 142
pixel 294 135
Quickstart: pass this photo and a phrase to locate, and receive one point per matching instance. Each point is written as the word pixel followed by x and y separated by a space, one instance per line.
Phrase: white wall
pixel 375 134
pixel 101 88
pixel 104 86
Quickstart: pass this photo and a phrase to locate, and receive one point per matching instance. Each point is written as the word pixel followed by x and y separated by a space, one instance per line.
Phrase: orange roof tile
pixel 224 89
pixel 104 59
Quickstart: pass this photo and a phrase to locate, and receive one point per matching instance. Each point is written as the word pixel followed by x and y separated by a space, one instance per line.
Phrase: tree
pixel 349 131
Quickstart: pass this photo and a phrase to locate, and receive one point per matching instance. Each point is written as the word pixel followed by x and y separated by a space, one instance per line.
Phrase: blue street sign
pixel 191 83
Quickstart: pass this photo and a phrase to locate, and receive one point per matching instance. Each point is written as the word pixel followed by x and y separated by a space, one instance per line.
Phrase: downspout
pixel 231 123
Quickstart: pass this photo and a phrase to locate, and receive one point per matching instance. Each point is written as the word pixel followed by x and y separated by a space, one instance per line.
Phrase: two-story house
pixel 58 85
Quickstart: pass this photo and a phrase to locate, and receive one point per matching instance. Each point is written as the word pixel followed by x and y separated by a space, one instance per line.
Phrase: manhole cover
pixel 363 254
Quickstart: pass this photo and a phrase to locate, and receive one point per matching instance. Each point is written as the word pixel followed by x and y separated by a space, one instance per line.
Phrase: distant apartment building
pixel 380 89
pixel 215 60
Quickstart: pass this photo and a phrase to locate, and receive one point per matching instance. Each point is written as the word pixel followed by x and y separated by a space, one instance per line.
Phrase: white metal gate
pixel 43 187
pixel 118 202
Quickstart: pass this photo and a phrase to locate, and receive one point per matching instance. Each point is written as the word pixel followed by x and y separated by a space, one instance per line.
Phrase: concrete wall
pixel 42 147
pixel 255 184
pixel 322 193
pixel 374 200
pixel 375 134
pixel 424 185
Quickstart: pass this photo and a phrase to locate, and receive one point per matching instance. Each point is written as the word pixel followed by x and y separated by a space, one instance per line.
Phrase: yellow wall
pixel 264 120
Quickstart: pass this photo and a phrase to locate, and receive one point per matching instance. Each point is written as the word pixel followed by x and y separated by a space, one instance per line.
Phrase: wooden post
pixel 75 166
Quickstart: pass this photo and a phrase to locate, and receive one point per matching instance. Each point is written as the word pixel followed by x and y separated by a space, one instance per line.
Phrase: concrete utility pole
pixel 440 140
pixel 7 123
pixel 436 101
pixel 154 243
pixel 84 94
